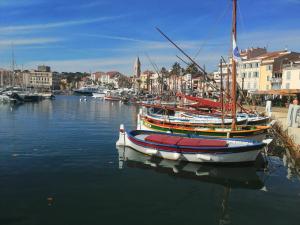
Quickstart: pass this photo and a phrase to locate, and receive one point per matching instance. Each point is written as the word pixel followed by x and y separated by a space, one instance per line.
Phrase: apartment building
pixel 272 67
pixel 291 74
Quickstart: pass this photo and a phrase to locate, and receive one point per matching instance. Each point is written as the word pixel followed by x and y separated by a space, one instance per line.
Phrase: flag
pixel 235 51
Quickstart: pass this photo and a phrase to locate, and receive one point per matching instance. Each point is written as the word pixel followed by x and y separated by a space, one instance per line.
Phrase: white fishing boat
pixel 183 118
pixel 190 148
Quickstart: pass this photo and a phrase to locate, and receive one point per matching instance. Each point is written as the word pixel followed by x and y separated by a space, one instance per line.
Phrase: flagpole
pixel 233 93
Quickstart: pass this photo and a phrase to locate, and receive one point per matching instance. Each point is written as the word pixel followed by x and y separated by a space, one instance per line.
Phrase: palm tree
pixel 175 71
pixel 165 74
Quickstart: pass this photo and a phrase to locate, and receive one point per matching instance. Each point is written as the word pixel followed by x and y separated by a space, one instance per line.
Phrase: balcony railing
pixel 276 80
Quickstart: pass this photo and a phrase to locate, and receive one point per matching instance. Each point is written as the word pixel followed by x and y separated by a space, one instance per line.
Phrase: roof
pixel 112 74
pixel 272 55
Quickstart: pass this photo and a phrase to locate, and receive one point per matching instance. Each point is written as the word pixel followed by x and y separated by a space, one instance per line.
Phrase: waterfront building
pixel 56 79
pixel 146 80
pixel 99 77
pixel 113 78
pixel 248 69
pixel 271 69
pixel 258 70
pixel 40 80
pixel 291 74
pixel 5 78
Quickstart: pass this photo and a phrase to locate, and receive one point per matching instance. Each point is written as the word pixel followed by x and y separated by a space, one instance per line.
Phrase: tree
pixel 176 72
pixel 165 75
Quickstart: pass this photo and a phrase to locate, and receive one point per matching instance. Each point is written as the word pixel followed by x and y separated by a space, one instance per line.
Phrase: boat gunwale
pixel 262 128
pixel 215 150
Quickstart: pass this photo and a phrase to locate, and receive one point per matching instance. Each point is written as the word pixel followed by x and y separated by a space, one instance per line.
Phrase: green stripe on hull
pixel 214 134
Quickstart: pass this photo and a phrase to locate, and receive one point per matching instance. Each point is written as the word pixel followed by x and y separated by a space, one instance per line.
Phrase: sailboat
pixel 252 132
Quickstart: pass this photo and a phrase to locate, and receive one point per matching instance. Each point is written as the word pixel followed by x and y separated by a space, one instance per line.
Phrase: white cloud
pixel 32 41
pixel 31 27
pixel 122 56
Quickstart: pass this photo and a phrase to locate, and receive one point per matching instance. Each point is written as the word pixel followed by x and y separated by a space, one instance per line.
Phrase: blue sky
pixel 102 35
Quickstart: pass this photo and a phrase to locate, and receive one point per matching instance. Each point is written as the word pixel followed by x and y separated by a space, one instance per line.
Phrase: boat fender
pixel 204 157
pixel 151 151
pixel 176 156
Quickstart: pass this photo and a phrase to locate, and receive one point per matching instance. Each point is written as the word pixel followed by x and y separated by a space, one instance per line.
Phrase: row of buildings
pixel 262 71
pixel 42 79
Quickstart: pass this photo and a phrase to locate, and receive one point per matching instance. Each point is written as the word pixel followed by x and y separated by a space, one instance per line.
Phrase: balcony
pixel 277 80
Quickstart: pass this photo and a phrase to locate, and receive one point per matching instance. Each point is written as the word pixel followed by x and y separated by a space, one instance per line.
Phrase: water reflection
pixel 233 177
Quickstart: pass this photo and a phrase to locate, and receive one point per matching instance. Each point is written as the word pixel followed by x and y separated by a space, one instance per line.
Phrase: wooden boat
pixel 253 119
pixel 251 132
pixel 112 98
pixel 196 120
pixel 191 149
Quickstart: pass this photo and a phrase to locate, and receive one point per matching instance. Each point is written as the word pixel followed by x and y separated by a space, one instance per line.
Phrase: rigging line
pixel 153 64
pixel 212 30
pixel 183 60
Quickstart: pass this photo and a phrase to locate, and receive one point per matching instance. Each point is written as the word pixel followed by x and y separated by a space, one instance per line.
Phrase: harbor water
pixel 59 166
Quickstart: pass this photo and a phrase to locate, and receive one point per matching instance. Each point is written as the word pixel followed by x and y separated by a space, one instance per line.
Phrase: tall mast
pixel 221 92
pixel 233 93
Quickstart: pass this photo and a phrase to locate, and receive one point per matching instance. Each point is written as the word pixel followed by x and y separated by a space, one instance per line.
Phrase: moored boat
pixel 196 120
pixel 251 132
pixel 190 148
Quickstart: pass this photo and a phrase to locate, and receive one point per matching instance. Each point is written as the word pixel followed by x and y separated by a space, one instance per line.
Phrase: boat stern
pixel 122 136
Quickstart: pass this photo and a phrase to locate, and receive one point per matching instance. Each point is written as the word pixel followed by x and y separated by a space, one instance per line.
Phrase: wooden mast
pixel 221 92
pixel 233 77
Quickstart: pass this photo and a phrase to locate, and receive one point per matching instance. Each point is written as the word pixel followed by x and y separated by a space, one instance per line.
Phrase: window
pixel 267 87
pixel 250 65
pixel 268 78
pixel 244 75
pixel 269 67
pixel 255 74
pixel 249 75
pixel 248 86
pixel 245 65
pixel 288 75
pixel 256 65
pixel 287 85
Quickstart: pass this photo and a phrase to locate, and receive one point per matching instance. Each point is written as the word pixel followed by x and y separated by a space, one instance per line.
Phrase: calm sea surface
pixel 59 166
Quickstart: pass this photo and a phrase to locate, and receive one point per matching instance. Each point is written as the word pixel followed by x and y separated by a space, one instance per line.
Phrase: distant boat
pixel 99 95
pixel 191 148
pixel 112 96
pixel 87 90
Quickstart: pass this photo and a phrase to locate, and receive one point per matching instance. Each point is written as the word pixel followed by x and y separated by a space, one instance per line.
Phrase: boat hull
pixel 258 134
pixel 189 154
